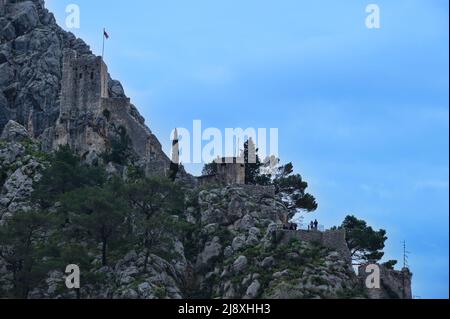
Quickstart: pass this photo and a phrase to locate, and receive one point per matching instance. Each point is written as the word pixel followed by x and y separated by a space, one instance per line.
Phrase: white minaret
pixel 175 148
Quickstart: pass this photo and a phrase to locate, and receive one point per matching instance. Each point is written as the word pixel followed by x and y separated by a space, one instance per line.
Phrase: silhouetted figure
pixel 316 225
pixel 311 225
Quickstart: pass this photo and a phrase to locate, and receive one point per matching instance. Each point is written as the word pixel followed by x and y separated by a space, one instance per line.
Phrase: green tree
pixel 295 186
pixel 390 264
pixel 22 248
pixel 64 174
pixel 252 163
pixel 365 244
pixel 96 213
pixel 154 200
pixel 209 169
pixel 120 148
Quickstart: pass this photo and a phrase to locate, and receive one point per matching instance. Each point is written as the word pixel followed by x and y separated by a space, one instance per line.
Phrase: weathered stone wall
pixel 394 284
pixel 259 190
pixel 84 83
pixel 119 114
pixel 231 173
pixel 333 239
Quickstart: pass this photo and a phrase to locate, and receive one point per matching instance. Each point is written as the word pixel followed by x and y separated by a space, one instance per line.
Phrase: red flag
pixel 106 34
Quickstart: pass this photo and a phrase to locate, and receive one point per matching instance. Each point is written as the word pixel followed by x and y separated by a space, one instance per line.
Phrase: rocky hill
pixel 205 242
pixel 232 249
pixel 33 90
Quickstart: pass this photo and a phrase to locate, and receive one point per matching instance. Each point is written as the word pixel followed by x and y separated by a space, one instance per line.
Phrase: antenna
pixel 405 255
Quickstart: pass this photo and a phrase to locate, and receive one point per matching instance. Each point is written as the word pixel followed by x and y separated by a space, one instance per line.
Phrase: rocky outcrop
pixel 242 255
pixel 233 248
pixel 20 165
pixel 34 93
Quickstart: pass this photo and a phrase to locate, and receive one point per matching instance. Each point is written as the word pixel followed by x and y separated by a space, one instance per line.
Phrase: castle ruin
pixel 90 116
pixel 394 284
pixel 229 171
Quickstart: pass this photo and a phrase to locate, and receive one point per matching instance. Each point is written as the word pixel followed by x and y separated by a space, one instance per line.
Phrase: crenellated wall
pixel 332 239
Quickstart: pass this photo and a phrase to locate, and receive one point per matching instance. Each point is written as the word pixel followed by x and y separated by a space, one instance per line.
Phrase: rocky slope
pixel 230 251
pixel 231 248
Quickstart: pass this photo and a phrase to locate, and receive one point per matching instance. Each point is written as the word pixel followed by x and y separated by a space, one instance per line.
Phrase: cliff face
pixel 39 64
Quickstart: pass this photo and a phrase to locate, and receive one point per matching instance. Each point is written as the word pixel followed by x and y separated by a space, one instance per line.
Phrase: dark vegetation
pixel 87 218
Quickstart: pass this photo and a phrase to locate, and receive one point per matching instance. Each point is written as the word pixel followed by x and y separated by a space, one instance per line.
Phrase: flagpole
pixel 103 48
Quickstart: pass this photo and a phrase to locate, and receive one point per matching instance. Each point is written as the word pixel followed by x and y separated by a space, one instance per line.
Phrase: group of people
pixel 314 225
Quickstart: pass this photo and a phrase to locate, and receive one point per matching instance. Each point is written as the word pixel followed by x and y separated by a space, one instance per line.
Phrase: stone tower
pixel 91 120
pixel 231 170
pixel 175 148
pixel 84 83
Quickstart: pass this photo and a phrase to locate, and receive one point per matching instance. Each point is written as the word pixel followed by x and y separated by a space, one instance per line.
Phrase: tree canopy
pixel 365 244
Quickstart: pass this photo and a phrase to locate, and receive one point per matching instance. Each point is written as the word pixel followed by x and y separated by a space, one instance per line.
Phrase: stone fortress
pixel 92 113
pixel 90 117
pixel 230 171
pixel 86 110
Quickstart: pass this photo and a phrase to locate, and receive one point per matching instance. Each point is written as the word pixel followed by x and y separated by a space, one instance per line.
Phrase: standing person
pixel 311 225
pixel 316 225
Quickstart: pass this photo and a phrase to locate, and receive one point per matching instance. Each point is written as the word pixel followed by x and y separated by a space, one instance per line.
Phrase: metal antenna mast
pixel 405 255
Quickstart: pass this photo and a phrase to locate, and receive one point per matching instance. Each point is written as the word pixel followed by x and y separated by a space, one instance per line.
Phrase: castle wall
pixel 145 145
pixel 118 109
pixel 84 83
pixel 332 239
pixel 89 118
pixel 259 191
pixel 230 171
pixel 394 284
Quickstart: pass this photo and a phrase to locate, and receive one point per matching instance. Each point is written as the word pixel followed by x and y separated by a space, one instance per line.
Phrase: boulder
pixel 253 290
pixel 212 249
pixel 240 264
pixel 14 132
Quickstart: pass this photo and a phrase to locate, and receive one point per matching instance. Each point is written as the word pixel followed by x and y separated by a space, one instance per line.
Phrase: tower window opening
pixel 81 75
pixel 92 75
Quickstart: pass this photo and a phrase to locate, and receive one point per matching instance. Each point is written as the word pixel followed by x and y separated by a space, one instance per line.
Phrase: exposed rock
pixel 14 132
pixel 212 250
pixel 268 262
pixel 238 242
pixel 253 290
pixel 240 264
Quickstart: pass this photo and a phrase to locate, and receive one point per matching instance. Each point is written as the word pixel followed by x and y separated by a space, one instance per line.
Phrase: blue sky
pixel 362 114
